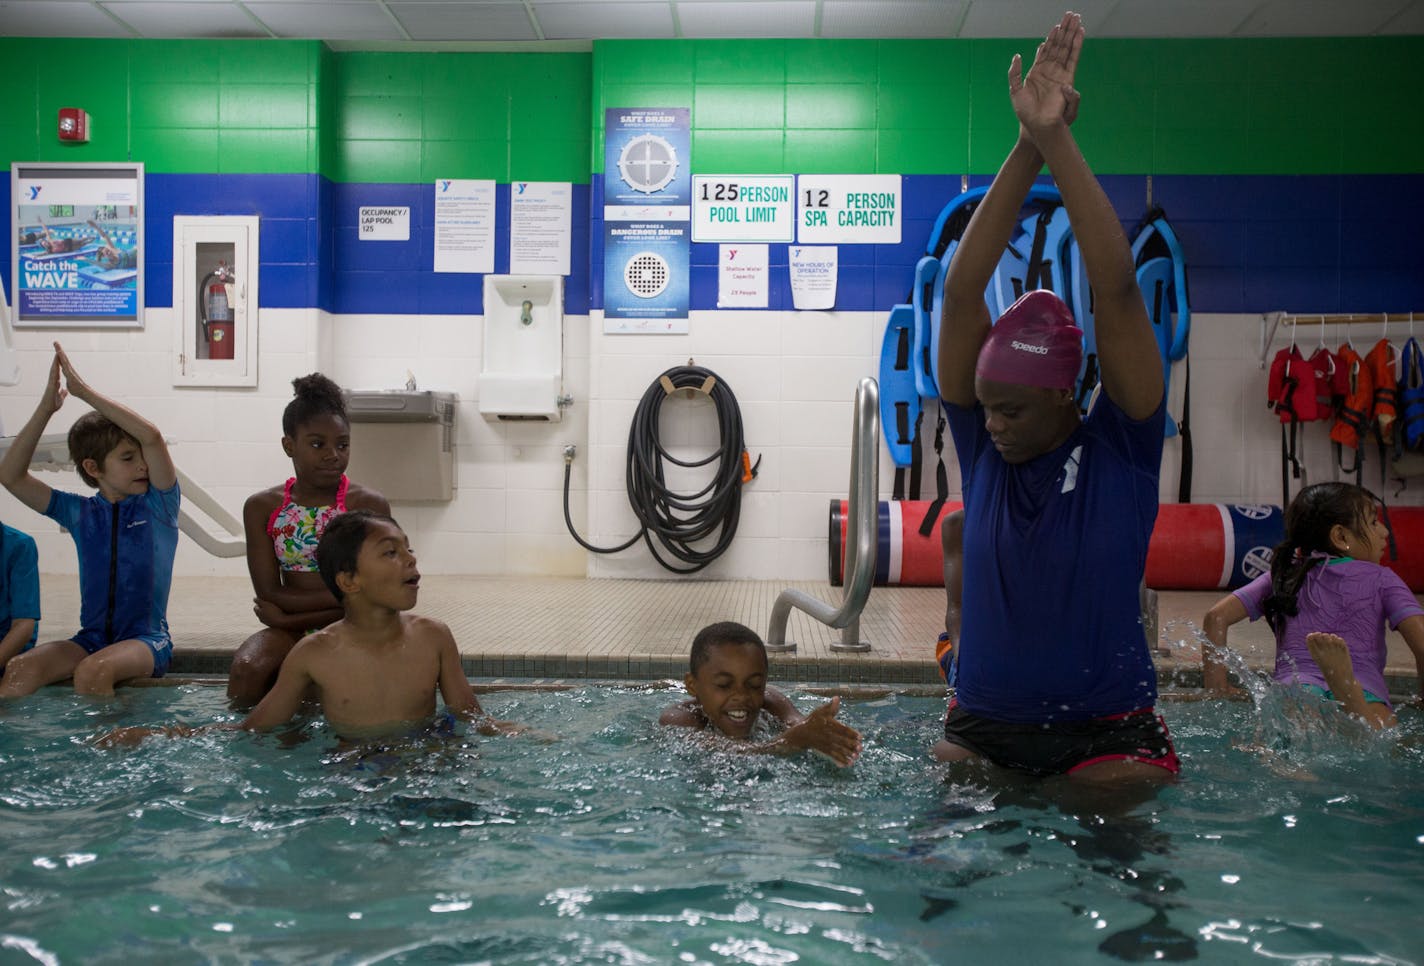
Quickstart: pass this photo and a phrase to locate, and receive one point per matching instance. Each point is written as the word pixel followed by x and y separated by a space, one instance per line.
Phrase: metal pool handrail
pixel 860 537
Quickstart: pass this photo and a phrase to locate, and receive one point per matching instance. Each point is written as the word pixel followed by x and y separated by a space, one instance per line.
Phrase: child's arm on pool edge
pixel 1215 680
pixel 1412 630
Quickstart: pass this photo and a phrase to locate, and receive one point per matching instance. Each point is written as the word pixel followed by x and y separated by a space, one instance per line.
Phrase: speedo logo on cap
pixel 1041 350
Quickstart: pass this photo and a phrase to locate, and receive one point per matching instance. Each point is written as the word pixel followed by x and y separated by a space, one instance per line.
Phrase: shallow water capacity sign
pixel 848 209
pixel 78 252
pixel 743 208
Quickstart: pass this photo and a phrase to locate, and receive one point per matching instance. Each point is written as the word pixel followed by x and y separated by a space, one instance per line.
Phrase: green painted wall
pixel 1288 106
pixel 410 117
pixel 1298 106
pixel 210 106
pixel 294 107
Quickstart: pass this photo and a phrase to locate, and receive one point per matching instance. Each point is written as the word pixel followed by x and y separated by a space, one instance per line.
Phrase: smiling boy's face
pixel 730 687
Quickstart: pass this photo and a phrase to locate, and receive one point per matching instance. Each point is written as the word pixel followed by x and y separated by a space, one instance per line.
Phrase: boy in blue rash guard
pixel 126 536
pixel 19 593
pixel 1054 675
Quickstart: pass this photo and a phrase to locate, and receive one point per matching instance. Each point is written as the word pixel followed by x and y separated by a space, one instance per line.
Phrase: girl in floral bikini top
pixel 284 523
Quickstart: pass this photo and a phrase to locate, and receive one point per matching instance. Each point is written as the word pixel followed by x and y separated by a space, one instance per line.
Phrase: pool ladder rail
pixel 860 538
pixel 52 453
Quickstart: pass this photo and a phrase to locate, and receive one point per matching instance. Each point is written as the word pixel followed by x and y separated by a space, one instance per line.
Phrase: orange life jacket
pixel 1355 413
pixel 1380 361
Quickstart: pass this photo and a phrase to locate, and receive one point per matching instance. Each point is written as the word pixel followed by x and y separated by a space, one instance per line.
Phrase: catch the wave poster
pixel 78 255
pixel 647 210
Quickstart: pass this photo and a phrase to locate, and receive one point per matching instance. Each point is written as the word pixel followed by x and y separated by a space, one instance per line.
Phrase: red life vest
pixel 1326 369
pixel 1291 390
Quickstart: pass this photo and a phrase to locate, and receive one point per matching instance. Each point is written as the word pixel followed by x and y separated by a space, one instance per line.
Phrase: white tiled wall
pixel 794 375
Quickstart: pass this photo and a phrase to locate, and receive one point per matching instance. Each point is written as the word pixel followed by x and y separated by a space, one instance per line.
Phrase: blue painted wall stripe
pixel 1326 243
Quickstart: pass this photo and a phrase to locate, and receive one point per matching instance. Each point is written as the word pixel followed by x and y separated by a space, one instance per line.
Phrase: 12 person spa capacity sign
pixel 848 209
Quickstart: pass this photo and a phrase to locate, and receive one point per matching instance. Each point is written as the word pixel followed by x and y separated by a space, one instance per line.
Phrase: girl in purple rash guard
pixel 1328 600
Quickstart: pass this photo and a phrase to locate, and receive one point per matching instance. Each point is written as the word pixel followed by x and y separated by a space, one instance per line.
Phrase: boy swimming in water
pixel 727 682
pixel 377 669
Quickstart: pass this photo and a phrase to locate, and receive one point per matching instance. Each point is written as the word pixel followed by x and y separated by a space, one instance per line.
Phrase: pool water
pixel 1297 840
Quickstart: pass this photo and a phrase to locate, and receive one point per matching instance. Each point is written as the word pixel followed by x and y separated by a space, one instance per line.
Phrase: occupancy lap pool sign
pixel 646 207
pixel 78 245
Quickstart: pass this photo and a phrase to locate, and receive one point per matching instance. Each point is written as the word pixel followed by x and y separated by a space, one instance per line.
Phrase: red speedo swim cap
pixel 1034 343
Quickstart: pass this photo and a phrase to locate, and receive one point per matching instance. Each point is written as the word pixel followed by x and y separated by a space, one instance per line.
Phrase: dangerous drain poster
pixel 647 194
pixel 78 253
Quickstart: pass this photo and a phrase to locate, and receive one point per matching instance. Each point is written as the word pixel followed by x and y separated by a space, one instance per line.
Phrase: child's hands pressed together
pixel 54 391
pixel 74 383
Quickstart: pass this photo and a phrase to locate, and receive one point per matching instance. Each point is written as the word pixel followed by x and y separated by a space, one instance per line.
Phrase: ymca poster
pixel 647 208
pixel 78 245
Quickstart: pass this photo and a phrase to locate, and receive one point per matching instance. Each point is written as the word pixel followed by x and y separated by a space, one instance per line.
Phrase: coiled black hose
pixel 680 519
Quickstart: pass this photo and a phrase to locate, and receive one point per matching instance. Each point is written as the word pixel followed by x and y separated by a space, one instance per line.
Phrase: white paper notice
pixel 464 226
pixel 384 224
pixel 813 275
pixel 743 278
pixel 541 216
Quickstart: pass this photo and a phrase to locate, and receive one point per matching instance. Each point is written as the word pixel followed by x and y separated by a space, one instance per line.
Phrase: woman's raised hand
pixel 1046 96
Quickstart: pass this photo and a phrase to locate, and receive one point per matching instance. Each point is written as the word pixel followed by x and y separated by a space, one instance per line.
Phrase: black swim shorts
pixel 1061 747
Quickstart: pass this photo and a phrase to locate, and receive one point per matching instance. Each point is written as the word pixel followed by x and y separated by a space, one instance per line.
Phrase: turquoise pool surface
pixel 1298 840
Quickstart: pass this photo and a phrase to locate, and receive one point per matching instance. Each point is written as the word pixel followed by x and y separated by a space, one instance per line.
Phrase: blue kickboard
pixel 926 342
pixel 899 399
pixel 110 278
pixel 1010 277
pixel 59 256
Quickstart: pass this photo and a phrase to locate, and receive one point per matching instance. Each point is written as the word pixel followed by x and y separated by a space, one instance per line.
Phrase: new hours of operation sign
pixel 848 209
pixel 743 208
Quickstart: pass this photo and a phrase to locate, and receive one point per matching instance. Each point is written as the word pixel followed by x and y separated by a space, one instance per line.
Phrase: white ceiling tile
pixel 773 18
pixel 584 20
pixel 56 18
pixel 464 21
pixel 326 19
pixel 1170 18
pixel 178 18
pixel 1319 18
pixel 1030 18
pixel 1410 20
pixel 892 18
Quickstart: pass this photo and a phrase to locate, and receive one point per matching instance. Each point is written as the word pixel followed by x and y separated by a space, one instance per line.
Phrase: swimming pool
pixel 622 843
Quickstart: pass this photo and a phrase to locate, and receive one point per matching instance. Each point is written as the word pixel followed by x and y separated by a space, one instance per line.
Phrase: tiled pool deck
pixel 550 629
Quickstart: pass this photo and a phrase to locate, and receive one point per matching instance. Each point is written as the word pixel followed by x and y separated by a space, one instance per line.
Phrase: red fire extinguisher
pixel 217 313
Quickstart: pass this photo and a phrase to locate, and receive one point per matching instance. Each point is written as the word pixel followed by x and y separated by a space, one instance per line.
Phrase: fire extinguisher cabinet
pixel 215 263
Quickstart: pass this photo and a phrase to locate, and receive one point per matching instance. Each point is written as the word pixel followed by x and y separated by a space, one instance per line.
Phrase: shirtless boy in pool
pixel 727 681
pixel 377 669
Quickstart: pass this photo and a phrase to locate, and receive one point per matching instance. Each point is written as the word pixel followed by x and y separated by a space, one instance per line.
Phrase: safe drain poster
pixel 78 255
pixel 647 197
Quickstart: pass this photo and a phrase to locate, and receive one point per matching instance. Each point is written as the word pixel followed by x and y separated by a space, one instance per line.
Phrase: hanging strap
pixel 1184 430
pixel 916 464
pixel 1034 276
pixel 941 481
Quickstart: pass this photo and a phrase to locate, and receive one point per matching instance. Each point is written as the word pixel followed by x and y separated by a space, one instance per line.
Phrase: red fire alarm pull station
pixel 73 124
